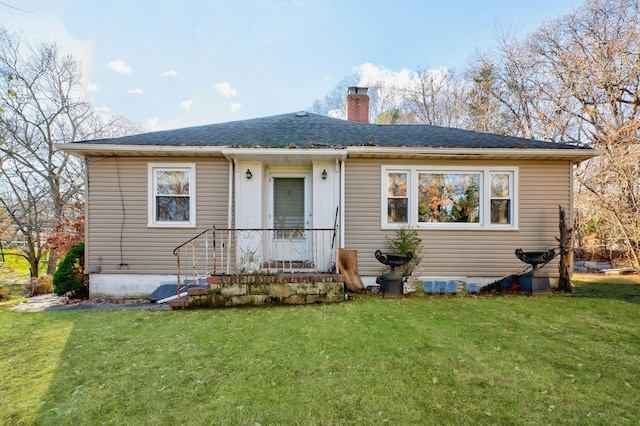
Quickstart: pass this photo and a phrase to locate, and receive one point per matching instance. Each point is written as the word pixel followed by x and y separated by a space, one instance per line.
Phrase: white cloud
pixel 235 106
pixel 373 75
pixel 390 86
pixel 102 109
pixel 225 89
pixel 185 105
pixel 151 124
pixel 135 92
pixel 120 67
pixel 91 87
pixel 171 73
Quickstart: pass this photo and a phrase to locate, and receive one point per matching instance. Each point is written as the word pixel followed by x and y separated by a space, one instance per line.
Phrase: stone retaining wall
pixel 261 290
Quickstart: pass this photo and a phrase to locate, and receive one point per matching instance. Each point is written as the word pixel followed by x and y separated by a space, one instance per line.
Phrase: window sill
pixel 450 227
pixel 171 225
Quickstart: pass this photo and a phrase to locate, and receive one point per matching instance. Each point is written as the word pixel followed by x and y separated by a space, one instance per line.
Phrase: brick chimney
pixel 358 104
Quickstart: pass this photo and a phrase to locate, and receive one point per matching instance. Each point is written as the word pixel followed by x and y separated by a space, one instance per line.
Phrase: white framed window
pixel 440 197
pixel 397 202
pixel 501 197
pixel 448 197
pixel 172 201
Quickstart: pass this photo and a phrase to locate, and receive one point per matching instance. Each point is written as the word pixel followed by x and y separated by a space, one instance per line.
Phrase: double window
pixel 172 195
pixel 451 198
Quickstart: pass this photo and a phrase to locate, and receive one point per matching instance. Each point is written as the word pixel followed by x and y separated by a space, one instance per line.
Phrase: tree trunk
pixel 53 262
pixel 566 254
pixel 33 263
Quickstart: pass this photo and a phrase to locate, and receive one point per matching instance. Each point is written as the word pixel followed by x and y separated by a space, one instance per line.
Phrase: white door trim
pixel 298 250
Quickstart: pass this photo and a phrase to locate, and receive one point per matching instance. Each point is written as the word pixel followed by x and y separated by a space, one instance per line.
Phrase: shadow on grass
pixel 100 366
pixel 626 290
pixel 396 361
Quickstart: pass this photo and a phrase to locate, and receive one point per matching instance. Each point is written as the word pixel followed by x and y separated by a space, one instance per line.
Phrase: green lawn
pixel 15 266
pixel 416 360
pixel 14 275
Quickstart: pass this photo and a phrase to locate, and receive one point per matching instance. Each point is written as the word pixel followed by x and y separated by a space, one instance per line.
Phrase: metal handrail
pixel 253 250
pixel 190 240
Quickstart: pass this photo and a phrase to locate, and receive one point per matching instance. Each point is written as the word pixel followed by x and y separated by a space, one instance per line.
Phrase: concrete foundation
pixel 259 290
pixel 535 282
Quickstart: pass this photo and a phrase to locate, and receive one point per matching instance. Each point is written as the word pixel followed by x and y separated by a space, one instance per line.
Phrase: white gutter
pixel 81 149
pixel 248 153
pixel 277 154
pixel 269 155
pixel 521 153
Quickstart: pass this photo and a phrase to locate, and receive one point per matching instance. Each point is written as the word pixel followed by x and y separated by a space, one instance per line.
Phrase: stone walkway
pixel 51 302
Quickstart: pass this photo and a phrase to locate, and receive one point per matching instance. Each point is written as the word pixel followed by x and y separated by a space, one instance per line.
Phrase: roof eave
pixel 87 149
pixel 575 155
pixel 275 154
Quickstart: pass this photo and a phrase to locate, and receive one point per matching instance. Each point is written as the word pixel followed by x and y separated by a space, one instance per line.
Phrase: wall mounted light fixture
pixel 249 174
pixel 324 174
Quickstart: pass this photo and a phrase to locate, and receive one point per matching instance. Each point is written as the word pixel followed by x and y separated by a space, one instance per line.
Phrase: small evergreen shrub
pixel 69 276
pixel 406 240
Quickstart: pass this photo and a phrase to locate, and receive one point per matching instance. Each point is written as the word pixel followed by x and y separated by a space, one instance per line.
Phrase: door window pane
pixel 288 207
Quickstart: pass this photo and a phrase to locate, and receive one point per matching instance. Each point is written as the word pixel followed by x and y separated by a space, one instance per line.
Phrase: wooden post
pixel 566 254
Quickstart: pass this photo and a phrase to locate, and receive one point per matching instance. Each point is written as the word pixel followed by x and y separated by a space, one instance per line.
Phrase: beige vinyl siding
pixel 543 186
pixel 125 244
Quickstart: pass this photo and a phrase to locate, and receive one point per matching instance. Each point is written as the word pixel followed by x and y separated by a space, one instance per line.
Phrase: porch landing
pixel 284 289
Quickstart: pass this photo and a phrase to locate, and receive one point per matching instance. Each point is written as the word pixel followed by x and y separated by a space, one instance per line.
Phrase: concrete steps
pixel 184 301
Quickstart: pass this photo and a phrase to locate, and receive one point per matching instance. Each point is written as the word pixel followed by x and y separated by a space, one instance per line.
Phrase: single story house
pixel 304 184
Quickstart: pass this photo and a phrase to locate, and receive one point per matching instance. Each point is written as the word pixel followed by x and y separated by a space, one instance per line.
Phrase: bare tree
pixel 428 96
pixel 482 105
pixel 505 97
pixel 436 97
pixel 334 103
pixel 589 69
pixel 577 80
pixel 395 116
pixel 385 94
pixel 5 4
pixel 41 103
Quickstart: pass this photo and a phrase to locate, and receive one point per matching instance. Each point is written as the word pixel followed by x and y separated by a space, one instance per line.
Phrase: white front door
pixel 290 215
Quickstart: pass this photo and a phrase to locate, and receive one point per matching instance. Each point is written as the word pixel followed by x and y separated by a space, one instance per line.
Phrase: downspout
pixel 86 215
pixel 232 167
pixel 572 175
pixel 342 198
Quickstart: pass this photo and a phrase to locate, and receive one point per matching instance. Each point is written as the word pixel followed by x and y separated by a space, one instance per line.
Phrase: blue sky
pixel 177 63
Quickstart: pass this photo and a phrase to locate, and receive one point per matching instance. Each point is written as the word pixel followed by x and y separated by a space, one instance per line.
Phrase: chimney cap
pixel 354 90
pixel 357 107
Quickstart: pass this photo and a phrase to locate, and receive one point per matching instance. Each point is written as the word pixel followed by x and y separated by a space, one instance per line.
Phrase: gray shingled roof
pixel 307 130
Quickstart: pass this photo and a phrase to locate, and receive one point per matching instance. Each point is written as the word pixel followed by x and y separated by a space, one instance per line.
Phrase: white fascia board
pixel 85 149
pixel 258 153
pixel 524 153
